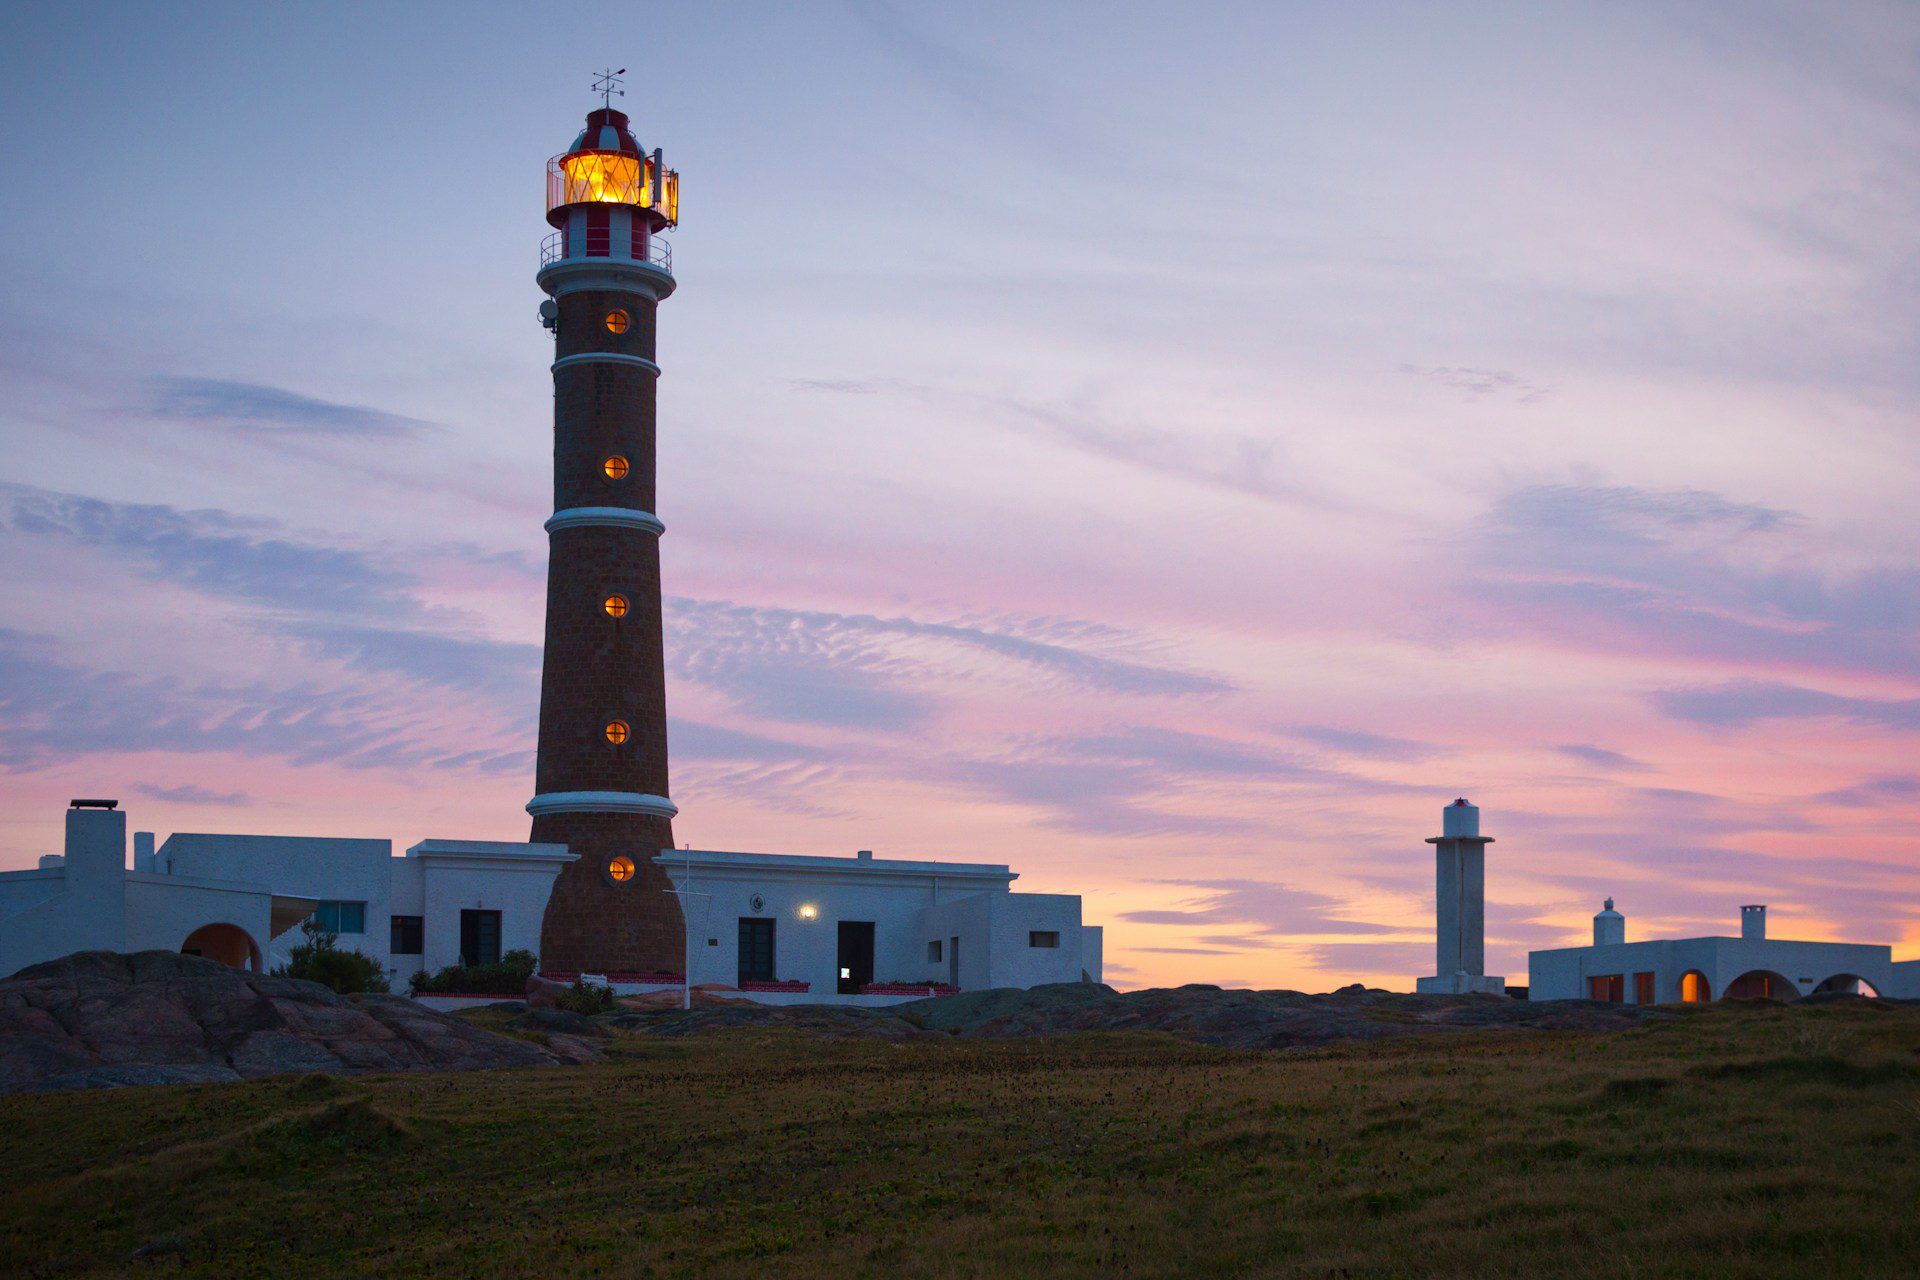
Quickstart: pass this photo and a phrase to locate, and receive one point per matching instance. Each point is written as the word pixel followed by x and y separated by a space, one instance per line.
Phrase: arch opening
pixel 1762 984
pixel 1694 987
pixel 228 943
pixel 1849 984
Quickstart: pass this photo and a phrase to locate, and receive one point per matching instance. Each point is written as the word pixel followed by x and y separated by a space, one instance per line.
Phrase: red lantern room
pixel 608 198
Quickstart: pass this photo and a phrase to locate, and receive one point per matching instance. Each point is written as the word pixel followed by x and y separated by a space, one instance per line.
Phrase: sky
pixel 1171 451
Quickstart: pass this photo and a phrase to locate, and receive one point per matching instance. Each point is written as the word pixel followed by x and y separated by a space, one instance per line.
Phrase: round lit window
pixel 618 322
pixel 617 732
pixel 616 606
pixel 615 467
pixel 621 868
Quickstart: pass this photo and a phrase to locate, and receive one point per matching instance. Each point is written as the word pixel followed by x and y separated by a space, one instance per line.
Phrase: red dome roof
pixel 606 131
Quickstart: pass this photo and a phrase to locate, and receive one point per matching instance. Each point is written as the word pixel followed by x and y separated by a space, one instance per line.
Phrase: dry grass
pixel 1736 1141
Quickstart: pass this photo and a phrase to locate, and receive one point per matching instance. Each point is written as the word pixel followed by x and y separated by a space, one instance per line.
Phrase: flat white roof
pixel 1682 942
pixel 714 859
pixel 503 850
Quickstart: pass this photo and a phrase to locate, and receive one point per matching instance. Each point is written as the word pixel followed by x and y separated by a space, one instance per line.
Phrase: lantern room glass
pixel 611 177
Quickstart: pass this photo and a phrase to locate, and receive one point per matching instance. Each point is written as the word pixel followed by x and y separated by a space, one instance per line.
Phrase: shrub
pixel 320 959
pixel 507 977
pixel 585 997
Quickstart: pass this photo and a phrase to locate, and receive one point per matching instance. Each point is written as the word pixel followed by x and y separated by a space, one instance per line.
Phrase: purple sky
pixel 1172 456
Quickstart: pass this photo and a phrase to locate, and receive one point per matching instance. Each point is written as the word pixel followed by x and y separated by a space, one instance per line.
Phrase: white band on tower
pixel 606 357
pixel 601 802
pixel 617 517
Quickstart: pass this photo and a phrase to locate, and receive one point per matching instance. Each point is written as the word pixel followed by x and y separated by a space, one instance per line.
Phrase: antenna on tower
pixel 607 83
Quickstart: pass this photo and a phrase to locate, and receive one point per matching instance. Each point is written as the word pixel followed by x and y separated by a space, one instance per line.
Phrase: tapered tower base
pixel 596 924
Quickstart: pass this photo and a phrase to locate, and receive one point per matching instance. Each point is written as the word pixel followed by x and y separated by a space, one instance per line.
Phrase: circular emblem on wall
pixel 759 903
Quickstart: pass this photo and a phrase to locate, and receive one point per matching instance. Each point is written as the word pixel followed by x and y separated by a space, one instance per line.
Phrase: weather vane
pixel 606 85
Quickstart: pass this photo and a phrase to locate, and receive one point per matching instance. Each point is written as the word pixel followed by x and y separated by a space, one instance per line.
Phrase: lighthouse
pixel 1460 906
pixel 601 774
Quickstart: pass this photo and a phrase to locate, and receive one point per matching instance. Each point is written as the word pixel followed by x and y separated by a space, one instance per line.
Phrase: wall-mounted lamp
pixel 809 911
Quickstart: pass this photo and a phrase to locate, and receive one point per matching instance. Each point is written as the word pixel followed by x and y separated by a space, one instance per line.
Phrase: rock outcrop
pixel 1256 1019
pixel 1231 1018
pixel 100 1020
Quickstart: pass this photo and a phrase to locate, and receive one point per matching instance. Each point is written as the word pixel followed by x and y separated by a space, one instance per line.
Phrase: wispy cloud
pixel 693 740
pixel 1355 742
pixel 251 406
pixel 1268 910
pixel 1738 703
pixel 52 711
pixel 1144 780
pixel 813 666
pixel 190 794
pixel 1687 571
pixel 1245 462
pixel 336 602
pixel 1600 757
pixel 222 554
pixel 1481 383
pixel 1875 792
pixel 1011 107
pixel 1107 784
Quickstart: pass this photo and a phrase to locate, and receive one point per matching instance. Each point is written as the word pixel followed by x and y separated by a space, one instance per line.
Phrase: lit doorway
pixel 856 956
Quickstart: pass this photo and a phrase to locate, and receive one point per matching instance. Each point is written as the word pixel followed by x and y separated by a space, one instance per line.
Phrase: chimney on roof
pixel 1753 923
pixel 867 854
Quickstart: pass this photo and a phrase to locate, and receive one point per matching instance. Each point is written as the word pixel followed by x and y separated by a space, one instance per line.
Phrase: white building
pixel 782 928
pixel 1694 970
pixel 866 930
pixel 240 899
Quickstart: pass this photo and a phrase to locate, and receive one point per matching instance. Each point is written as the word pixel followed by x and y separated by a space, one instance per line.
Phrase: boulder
pixel 573 1050
pixel 96 1019
pixel 558 1022
pixel 545 993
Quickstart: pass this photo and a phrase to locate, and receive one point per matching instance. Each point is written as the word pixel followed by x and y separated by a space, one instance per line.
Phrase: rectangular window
pixel 409 934
pixel 1643 988
pixel 756 949
pixel 1608 987
pixel 933 951
pixel 599 233
pixel 1043 938
pixel 341 917
pixel 479 938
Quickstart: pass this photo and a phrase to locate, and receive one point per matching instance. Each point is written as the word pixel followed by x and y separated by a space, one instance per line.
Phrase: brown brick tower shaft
pixel 601 777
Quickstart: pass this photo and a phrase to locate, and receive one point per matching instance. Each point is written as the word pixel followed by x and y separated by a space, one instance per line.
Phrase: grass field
pixel 1743 1140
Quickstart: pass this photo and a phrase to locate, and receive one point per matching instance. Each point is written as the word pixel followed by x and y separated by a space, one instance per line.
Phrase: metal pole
pixel 686 938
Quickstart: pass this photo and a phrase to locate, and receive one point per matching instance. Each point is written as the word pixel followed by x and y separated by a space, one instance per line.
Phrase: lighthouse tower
pixel 601 776
pixel 1460 906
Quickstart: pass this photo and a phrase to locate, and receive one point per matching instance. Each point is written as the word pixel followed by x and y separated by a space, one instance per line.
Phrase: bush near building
pixel 507 977
pixel 321 959
pixel 585 997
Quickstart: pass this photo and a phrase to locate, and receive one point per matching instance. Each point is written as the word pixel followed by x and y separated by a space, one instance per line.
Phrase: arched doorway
pixel 1850 984
pixel 228 943
pixel 1761 984
pixel 1694 987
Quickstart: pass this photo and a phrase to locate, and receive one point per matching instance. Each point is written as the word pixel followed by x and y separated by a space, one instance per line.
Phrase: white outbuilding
pixel 1695 970
pixel 867 930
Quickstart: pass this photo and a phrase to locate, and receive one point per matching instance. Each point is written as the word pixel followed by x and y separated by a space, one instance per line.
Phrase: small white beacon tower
pixel 1460 906
pixel 1609 927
